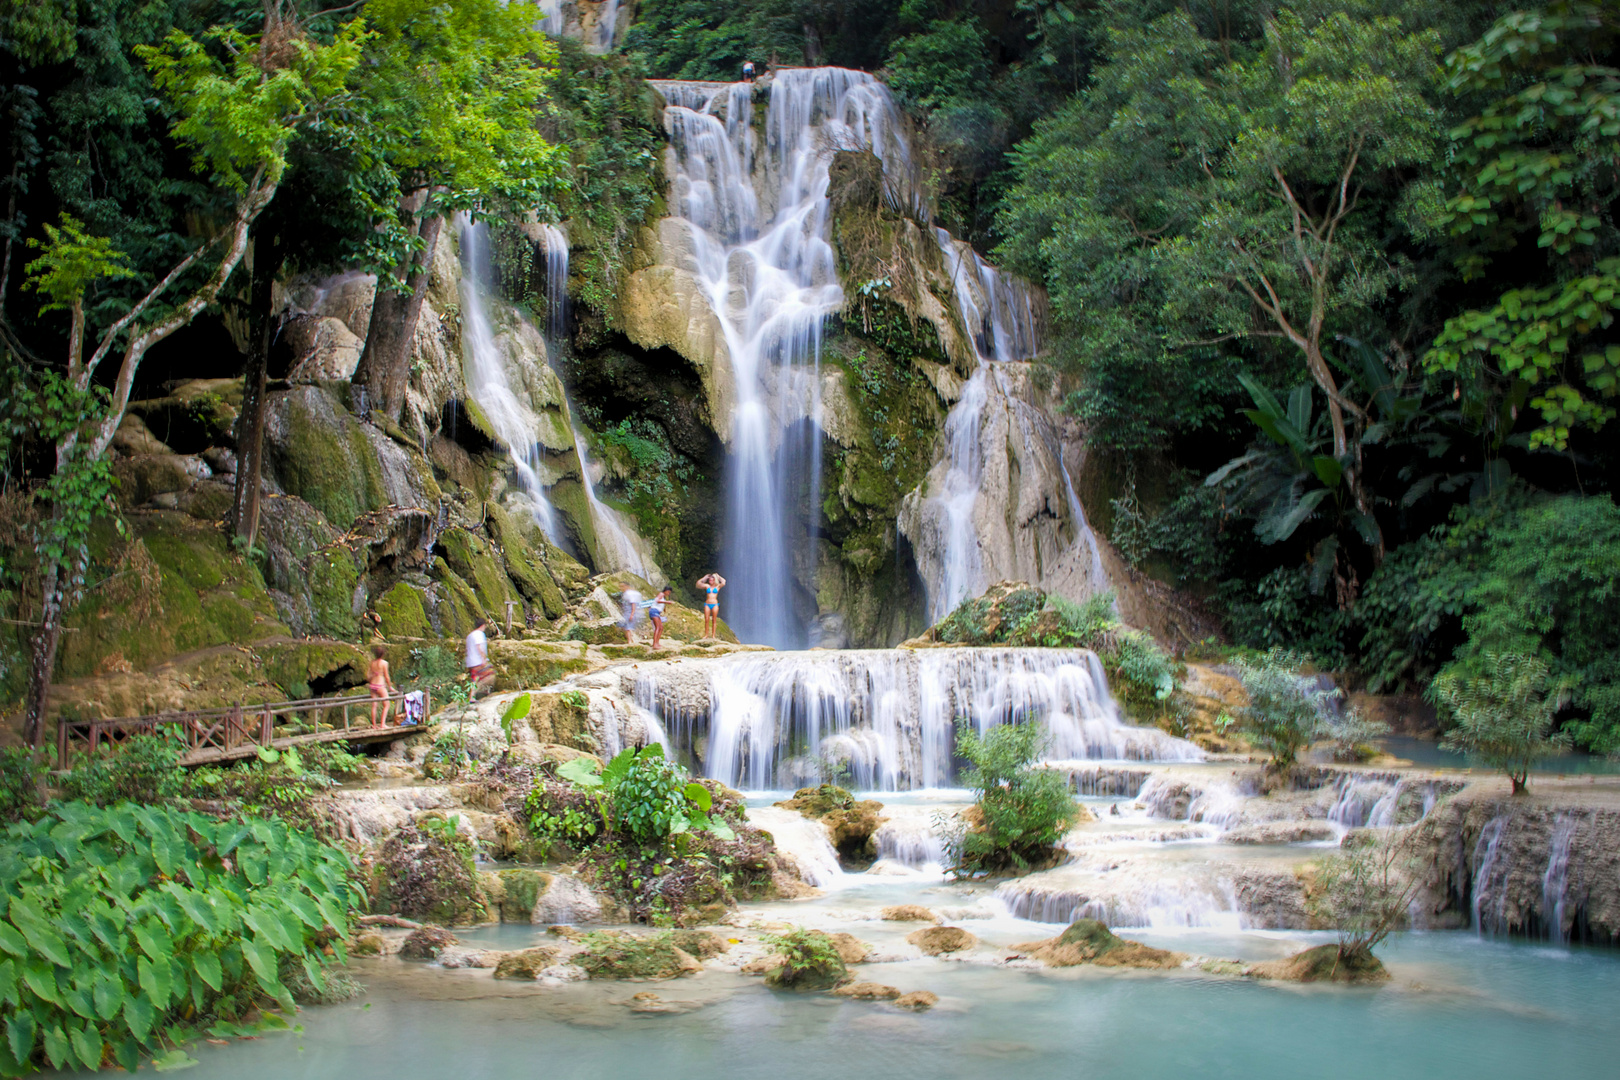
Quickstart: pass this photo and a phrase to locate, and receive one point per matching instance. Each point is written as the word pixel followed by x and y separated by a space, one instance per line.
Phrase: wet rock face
pixel 851 823
pixel 1545 865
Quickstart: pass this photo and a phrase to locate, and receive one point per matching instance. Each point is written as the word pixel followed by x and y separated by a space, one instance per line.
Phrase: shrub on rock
pixel 426 943
pixel 1087 941
pixel 810 961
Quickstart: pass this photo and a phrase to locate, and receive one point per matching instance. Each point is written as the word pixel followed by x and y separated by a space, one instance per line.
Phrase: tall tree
pixel 447 102
pixel 236 107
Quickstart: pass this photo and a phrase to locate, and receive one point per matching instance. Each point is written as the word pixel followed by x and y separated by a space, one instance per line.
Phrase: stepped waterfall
pixel 884 719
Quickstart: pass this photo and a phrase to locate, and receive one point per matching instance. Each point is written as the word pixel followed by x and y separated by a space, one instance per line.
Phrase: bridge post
pixel 61 743
pixel 267 732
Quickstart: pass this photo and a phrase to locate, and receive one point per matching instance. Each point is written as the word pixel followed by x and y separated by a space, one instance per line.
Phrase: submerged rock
pixel 938 940
pixel 426 943
pixel 1324 963
pixel 851 950
pixel 1087 941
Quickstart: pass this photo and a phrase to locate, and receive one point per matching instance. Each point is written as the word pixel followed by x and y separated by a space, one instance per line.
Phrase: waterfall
pixel 1555 882
pixel 616 550
pixel 487 380
pixel 756 215
pixel 1488 877
pixel 555 244
pixel 551 17
pixel 884 718
pixel 607 21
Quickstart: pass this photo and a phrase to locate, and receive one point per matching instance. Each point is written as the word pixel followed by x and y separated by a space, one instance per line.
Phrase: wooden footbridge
pixel 214 735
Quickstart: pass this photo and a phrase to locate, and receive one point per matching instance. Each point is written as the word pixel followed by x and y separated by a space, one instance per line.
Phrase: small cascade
pixel 910 837
pixel 756 213
pixel 1555 881
pixel 616 548
pixel 1360 799
pixel 1149 899
pixel 884 717
pixel 551 17
pixel 487 379
pixel 555 244
pixel 607 22
pixel 1100 782
pixel 805 840
pixel 1488 902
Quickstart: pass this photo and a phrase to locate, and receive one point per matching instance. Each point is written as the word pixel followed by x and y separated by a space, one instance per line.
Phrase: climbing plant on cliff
pixel 236 103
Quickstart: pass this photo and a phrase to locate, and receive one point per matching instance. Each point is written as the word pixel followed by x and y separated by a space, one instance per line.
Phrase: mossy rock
pixel 527 572
pixel 401 614
pixel 817 802
pixel 556 720
pixel 940 940
pixel 320 452
pixel 527 964
pixel 829 972
pixel 603 632
pixel 333 578
pixel 1088 941
pixel 520 892
pixel 470 557
pixel 529 665
pixel 296 666
pixel 459 608
pixel 611 955
pixel 173 587
pixel 1325 963
pixel 210 500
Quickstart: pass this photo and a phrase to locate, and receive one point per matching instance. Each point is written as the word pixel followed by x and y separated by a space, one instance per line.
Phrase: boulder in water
pixel 426 943
pixel 939 940
pixel 1087 941
pixel 909 913
pixel 1324 963
pixel 851 950
pixel 626 956
pixel 917 1000
pixel 867 991
pixel 527 964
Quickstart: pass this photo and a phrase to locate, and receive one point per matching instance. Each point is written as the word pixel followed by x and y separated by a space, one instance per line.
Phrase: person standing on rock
pixel 710 585
pixel 479 671
pixel 748 71
pixel 655 611
pixel 630 609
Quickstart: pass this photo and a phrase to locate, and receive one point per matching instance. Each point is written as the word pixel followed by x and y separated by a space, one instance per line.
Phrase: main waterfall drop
pixel 755 214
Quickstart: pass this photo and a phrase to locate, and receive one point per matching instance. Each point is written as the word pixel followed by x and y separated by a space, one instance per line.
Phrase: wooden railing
pixel 240 731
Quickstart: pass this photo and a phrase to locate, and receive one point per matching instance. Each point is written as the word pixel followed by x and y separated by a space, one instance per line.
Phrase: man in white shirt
pixel 479 671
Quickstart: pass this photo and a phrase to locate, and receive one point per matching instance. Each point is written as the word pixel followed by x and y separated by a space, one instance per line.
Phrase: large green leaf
pixel 138 1014
pixel 12 941
pixel 155 981
pixel 584 771
pixel 20 1035
pixel 174 1060
pixel 206 965
pixel 109 994
pixel 57 1047
pixel 87 1046
pixel 618 768
pixel 42 981
pixel 699 796
pixel 1279 527
pixel 1328 470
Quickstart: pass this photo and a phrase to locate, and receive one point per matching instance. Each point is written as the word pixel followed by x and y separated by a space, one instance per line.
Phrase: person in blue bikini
pixel 710 585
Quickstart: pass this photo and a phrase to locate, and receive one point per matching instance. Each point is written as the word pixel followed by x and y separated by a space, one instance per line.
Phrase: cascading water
pixel 616 550
pixel 1555 881
pixel 554 242
pixel 487 379
pixel 884 717
pixel 1489 899
pixel 756 216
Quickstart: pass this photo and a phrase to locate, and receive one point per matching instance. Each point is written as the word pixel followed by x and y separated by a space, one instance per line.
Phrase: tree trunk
pixel 385 364
pixel 250 433
pixel 52 601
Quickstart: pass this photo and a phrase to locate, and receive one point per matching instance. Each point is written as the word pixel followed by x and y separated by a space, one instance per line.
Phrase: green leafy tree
pixel 1023 811
pixel 1287 711
pixel 446 103
pixel 1207 194
pixel 1534 185
pixel 1504 714
pixel 237 116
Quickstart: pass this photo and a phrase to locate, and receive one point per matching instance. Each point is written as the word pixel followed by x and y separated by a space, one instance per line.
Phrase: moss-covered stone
pixel 320 453
pixel 528 665
pixel 527 964
pixel 562 719
pixel 1088 941
pixel 428 875
pixel 1324 963
pixel 520 891
pixel 333 577
pixel 400 613
pixel 527 571
pixel 611 955
pixel 458 607
pixel 469 555
pixel 298 666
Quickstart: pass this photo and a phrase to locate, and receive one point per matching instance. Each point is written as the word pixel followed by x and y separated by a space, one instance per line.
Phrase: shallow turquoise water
pixel 1459 1006
pixel 1426 753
